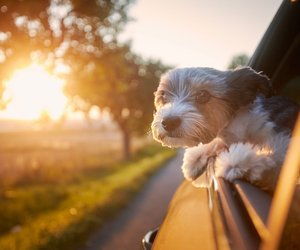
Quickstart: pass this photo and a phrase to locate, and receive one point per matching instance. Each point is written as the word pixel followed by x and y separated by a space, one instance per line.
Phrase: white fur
pixel 193 162
pixel 239 135
pixel 241 159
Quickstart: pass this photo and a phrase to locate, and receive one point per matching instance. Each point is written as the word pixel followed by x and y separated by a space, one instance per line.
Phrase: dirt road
pixel 145 212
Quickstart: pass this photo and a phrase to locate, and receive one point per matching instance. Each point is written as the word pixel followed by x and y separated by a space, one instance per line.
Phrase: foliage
pixel 45 30
pixel 238 60
pixel 120 82
pixel 53 216
pixel 84 38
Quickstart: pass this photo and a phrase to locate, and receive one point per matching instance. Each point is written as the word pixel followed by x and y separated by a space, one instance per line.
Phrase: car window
pixel 287 76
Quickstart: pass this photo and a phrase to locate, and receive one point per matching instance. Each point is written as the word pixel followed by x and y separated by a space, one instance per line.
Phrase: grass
pixel 61 216
pixel 39 157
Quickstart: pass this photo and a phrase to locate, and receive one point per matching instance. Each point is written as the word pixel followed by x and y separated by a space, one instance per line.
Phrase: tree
pixel 238 60
pixel 83 37
pixel 123 83
pixel 44 31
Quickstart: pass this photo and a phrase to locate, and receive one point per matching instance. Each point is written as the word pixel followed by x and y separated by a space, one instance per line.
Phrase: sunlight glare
pixel 34 91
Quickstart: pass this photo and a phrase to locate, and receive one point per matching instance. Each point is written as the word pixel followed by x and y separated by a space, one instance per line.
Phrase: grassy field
pixel 53 213
pixel 54 156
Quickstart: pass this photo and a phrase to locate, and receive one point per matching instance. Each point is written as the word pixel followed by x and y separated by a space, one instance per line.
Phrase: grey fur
pixel 236 109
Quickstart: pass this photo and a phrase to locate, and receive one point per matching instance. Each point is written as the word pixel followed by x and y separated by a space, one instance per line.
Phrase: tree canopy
pixel 46 30
pixel 126 89
pixel 83 35
pixel 238 60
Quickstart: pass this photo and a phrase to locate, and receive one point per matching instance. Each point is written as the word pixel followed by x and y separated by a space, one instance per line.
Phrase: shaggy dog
pixel 231 116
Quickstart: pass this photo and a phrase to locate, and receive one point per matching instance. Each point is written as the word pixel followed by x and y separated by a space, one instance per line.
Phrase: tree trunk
pixel 126 144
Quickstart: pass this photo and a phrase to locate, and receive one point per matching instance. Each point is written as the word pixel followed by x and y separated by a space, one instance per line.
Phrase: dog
pixel 231 116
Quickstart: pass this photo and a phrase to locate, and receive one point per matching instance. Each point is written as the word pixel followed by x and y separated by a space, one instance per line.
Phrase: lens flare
pixel 33 92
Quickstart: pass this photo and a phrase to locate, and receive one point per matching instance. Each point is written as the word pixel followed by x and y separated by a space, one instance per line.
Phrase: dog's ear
pixel 244 84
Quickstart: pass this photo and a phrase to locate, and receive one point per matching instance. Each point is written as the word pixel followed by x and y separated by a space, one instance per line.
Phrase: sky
pixel 198 33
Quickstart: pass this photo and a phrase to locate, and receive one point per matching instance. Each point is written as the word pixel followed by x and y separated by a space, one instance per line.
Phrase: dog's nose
pixel 171 123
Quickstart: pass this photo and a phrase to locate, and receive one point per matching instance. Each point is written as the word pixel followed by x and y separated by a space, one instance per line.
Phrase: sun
pixel 32 91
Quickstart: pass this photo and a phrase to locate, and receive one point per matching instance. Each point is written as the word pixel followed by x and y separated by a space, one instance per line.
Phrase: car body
pixel 239 215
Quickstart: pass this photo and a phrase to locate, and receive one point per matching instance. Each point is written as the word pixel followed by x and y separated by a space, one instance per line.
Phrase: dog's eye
pixel 202 97
pixel 162 97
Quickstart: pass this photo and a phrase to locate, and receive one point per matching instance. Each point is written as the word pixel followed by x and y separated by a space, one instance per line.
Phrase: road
pixel 144 213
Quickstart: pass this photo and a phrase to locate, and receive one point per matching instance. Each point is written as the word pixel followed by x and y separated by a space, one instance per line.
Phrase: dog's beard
pixel 192 130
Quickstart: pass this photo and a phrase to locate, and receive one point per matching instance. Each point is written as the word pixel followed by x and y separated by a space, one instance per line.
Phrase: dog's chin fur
pixel 175 142
pixel 179 138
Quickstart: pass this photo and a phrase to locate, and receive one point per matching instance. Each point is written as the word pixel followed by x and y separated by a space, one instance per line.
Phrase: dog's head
pixel 193 104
